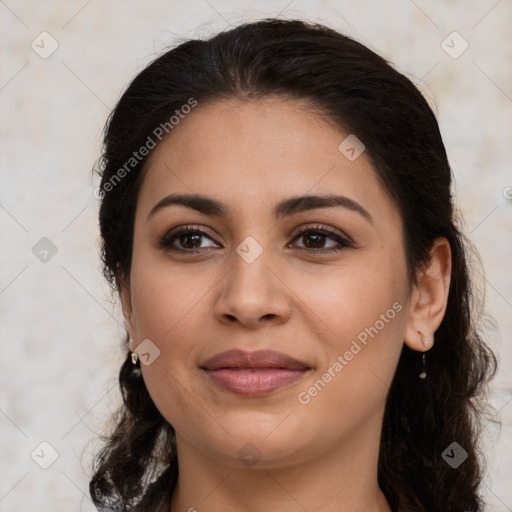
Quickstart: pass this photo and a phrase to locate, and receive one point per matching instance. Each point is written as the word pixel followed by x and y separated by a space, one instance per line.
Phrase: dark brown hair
pixel 363 94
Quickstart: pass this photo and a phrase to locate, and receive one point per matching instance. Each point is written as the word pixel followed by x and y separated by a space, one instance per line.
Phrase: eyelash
pixel 166 241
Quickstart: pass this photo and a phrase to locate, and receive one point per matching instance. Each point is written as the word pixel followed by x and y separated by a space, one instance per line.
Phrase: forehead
pixel 229 130
pixel 248 152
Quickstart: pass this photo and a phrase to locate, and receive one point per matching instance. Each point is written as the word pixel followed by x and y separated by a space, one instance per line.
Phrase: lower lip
pixel 254 382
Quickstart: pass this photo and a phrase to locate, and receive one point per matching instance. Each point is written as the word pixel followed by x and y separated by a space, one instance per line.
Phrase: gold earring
pixel 135 358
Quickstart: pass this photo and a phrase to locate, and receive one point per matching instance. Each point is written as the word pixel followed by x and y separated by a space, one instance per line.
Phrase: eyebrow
pixel 212 207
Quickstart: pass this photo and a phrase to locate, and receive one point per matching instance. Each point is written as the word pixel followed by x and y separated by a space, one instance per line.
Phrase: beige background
pixel 60 340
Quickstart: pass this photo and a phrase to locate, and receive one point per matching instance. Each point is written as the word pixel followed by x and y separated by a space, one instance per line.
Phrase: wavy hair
pixel 361 93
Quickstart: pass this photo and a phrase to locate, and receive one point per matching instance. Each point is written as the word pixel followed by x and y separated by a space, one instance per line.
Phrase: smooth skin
pixel 309 304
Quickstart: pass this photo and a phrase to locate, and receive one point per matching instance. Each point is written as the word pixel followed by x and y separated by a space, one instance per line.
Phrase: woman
pixel 276 215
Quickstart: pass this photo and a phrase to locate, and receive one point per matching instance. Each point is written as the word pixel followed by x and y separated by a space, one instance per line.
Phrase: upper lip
pixel 249 360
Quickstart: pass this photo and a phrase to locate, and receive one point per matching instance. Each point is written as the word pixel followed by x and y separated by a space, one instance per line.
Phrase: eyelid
pixel 328 231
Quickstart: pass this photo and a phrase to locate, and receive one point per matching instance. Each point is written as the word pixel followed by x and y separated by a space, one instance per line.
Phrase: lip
pixel 258 359
pixel 253 373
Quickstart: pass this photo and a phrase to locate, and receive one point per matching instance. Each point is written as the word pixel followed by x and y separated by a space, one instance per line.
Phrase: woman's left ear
pixel 429 298
pixel 123 286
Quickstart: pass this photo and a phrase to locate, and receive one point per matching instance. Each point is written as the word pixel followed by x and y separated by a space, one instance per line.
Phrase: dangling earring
pixel 135 358
pixel 423 374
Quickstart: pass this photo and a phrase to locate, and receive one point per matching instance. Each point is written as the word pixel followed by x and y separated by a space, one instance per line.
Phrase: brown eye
pixel 190 240
pixel 185 239
pixel 315 238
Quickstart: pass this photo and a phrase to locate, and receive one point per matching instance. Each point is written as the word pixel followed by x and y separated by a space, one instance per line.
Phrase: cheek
pixel 167 299
pixel 170 306
pixel 351 302
pixel 362 314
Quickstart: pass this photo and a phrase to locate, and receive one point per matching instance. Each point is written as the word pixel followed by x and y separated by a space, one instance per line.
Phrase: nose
pixel 252 294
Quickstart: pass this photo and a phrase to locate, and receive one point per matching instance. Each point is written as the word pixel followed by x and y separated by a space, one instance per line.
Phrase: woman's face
pixel 337 303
